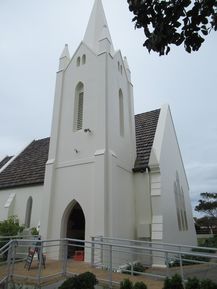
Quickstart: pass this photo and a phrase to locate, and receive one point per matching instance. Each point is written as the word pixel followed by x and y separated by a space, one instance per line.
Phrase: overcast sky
pixel 32 36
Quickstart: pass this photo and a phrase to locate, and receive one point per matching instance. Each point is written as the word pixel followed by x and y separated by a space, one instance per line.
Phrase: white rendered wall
pixel 81 164
pixel 19 208
pixel 167 152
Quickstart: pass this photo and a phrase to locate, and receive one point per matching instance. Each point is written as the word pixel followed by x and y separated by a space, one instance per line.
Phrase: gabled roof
pixel 28 168
pixel 4 161
pixel 146 124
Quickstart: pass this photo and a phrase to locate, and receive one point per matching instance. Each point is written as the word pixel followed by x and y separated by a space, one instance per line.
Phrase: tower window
pixel 83 59
pixel 78 106
pixel 121 113
pixel 78 61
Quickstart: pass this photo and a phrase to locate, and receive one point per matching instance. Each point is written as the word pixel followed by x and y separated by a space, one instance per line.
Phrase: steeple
pixel 64 58
pixel 97 26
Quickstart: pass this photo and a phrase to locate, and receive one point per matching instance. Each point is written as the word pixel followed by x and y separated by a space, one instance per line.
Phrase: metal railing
pixel 106 257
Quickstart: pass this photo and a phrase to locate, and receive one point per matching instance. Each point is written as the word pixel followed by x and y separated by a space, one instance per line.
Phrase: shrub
pixel 192 283
pixel 126 284
pixel 85 280
pixel 208 284
pixel 175 282
pixel 138 267
pixel 139 285
pixel 9 227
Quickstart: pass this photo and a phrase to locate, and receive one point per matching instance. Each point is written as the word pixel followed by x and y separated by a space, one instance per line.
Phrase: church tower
pixel 92 146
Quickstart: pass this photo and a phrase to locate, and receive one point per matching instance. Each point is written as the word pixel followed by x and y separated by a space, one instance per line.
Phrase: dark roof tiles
pixel 4 161
pixel 28 168
pixel 145 124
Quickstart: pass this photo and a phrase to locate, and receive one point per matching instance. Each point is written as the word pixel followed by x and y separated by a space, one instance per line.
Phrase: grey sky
pixel 32 36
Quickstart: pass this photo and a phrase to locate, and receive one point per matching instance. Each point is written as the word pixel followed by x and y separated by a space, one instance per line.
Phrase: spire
pixel 64 58
pixel 97 26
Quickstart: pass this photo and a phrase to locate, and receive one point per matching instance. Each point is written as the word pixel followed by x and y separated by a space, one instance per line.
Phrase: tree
pixel 167 22
pixel 208 205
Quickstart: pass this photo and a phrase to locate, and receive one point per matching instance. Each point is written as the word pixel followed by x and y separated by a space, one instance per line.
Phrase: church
pixel 104 171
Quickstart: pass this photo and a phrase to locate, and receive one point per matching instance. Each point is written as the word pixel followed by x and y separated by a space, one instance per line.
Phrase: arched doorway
pixel 75 228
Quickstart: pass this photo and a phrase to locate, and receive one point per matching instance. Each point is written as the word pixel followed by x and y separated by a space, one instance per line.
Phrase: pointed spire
pixel 65 52
pixel 64 58
pixel 97 27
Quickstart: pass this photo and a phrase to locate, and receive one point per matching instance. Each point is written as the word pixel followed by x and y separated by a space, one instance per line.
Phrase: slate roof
pixel 4 161
pixel 28 168
pixel 145 124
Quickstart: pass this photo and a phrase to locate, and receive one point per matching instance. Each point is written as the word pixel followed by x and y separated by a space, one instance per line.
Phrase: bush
pixel 126 284
pixel 9 227
pixel 138 267
pixel 139 285
pixel 208 284
pixel 192 283
pixel 175 282
pixel 85 280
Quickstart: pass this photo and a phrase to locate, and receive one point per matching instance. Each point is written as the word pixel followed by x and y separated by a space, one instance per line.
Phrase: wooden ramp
pixel 52 273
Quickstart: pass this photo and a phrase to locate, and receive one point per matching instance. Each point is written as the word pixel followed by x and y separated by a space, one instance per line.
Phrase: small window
pixel 84 59
pixel 121 113
pixel 78 106
pixel 118 66
pixel 78 61
pixel 180 205
pixel 121 69
pixel 28 212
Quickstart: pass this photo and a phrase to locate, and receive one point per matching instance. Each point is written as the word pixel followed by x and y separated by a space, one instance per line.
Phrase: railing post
pixel 13 256
pixel 181 269
pixel 101 250
pixel 131 268
pixel 65 256
pixel 9 257
pixel 40 257
pixel 167 263
pixel 92 251
pixel 110 266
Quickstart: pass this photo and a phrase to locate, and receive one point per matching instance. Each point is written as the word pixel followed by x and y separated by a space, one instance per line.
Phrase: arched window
pixel 78 106
pixel 121 112
pixel 78 61
pixel 28 212
pixel 83 59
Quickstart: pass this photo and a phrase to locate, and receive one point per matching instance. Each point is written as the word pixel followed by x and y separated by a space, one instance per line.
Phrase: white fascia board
pixel 159 135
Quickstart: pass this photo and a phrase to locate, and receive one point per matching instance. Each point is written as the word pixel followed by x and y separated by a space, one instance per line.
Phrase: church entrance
pixel 76 230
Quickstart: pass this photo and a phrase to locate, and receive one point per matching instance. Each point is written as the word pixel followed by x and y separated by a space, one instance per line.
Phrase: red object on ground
pixel 79 256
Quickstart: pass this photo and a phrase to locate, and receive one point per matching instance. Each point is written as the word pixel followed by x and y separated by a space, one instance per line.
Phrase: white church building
pixel 104 171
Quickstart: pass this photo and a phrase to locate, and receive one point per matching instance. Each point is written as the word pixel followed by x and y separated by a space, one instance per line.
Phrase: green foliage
pixel 211 242
pixel 174 22
pixel 192 283
pixel 137 267
pixel 175 282
pixel 85 280
pixel 207 284
pixel 126 284
pixel 34 231
pixel 208 204
pixel 139 285
pixel 10 227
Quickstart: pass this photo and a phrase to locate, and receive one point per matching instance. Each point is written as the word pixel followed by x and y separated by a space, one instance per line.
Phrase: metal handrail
pixel 156 243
